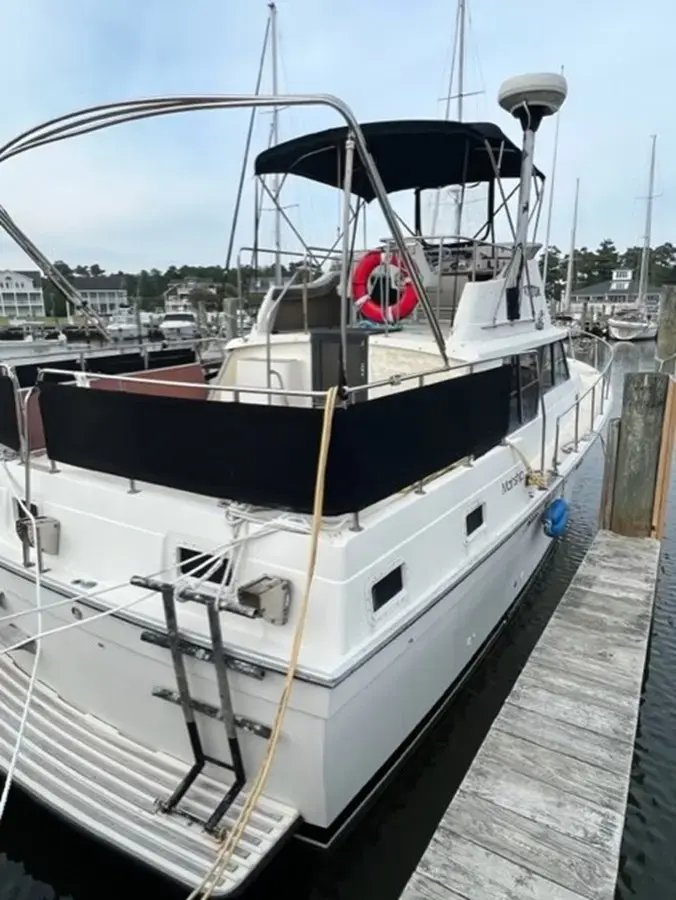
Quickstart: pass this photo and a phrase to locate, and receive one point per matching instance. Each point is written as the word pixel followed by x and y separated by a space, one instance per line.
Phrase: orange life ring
pixel 365 303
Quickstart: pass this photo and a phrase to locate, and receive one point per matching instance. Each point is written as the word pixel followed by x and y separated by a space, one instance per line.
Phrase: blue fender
pixel 555 518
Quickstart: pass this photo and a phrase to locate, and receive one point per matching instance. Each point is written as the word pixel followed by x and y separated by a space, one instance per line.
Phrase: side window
pixel 474 520
pixel 530 389
pixel 561 372
pixel 546 374
pixel 514 395
pixel 387 588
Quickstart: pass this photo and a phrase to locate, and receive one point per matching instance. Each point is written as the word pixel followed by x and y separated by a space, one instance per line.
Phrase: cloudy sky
pixel 161 192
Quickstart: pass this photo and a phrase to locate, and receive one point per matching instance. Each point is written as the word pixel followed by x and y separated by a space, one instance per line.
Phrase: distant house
pixel 21 294
pixel 104 293
pixel 178 293
pixel 608 297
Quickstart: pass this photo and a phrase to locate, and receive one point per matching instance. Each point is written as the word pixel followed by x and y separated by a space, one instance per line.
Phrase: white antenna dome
pixel 542 94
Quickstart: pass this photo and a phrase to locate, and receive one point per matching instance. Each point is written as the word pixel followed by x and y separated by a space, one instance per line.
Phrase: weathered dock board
pixel 541 811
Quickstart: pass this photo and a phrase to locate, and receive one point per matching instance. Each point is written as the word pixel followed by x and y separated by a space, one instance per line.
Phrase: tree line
pixel 596 266
pixel 149 286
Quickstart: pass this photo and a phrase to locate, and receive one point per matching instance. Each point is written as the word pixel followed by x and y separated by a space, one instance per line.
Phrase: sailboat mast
pixel 459 49
pixel 552 182
pixel 461 56
pixel 275 140
pixel 571 256
pixel 645 254
pixel 460 192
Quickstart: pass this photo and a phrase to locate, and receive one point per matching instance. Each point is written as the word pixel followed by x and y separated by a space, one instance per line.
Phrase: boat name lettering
pixel 513 481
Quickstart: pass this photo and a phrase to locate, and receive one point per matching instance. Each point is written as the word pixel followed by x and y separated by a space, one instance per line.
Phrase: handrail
pixel 296 253
pixel 602 376
pixel 232 389
pixel 389 381
pixel 601 372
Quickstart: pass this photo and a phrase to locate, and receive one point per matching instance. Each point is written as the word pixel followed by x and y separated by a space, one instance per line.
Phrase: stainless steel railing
pixel 600 388
pixel 598 391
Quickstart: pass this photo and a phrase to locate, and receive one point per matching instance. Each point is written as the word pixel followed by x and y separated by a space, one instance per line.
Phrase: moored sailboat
pixel 639 323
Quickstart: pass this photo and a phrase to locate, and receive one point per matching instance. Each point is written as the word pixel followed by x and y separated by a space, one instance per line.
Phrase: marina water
pixel 42 858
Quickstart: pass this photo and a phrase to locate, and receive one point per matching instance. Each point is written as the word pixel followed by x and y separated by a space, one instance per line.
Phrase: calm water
pixel 42 858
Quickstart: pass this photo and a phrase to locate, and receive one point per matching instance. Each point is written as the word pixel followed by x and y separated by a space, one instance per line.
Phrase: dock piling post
pixel 634 495
pixel 665 355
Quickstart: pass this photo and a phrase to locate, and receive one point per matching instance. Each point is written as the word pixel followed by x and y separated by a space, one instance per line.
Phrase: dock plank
pixel 566 773
pixel 576 687
pixel 569 740
pixel 541 811
pixel 476 873
pixel 550 854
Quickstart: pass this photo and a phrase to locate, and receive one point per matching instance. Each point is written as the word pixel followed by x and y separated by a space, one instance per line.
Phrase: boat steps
pixel 109 785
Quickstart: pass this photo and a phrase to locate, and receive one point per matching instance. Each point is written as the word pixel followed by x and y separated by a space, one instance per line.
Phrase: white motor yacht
pixel 233 608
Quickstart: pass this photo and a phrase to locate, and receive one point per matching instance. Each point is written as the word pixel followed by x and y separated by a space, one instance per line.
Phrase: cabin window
pixel 388 587
pixel 525 390
pixel 474 520
pixel 195 563
pixel 514 398
pixel 530 389
pixel 546 375
pixel 560 365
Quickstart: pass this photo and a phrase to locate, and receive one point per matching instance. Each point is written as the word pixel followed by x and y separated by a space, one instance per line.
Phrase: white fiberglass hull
pixel 125 332
pixel 623 330
pixel 188 331
pixel 14 349
pixel 313 773
pixel 351 714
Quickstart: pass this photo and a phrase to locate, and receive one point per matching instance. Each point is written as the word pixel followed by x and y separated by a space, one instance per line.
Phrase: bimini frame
pixel 96 118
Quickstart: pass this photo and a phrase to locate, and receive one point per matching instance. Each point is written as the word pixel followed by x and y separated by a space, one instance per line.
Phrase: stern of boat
pixel 118 790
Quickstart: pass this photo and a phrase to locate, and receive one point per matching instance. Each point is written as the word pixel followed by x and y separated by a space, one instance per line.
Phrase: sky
pixel 157 193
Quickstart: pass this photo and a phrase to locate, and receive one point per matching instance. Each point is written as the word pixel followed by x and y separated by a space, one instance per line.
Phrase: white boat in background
pixel 31 343
pixel 631 327
pixel 127 324
pixel 569 322
pixel 179 325
pixel 637 324
pixel 261 592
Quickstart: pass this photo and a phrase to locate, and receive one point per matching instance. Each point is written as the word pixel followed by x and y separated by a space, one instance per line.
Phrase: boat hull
pixel 632 331
pixel 419 665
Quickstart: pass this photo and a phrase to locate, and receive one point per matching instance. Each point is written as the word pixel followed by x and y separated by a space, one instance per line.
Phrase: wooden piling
pixel 665 357
pixel 644 431
pixel 609 472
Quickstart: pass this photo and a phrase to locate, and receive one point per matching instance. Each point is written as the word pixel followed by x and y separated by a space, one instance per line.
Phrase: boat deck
pixel 541 811
pixel 100 780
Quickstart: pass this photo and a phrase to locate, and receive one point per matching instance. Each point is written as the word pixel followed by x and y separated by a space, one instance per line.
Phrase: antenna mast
pixel 459 47
pixel 645 255
pixel 571 256
pixel 552 181
pixel 275 140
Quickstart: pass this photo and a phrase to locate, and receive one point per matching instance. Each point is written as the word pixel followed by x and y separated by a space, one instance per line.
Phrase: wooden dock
pixel 540 813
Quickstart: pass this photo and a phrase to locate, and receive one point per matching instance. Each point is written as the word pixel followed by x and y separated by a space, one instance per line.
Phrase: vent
pixel 197 563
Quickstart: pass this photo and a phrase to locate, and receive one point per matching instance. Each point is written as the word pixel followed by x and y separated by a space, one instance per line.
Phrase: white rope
pixel 33 678
pixel 78 623
pixel 209 555
pixel 184 579
pixel 220 551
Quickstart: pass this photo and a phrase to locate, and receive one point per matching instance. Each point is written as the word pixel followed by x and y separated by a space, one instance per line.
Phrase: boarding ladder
pixel 179 648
